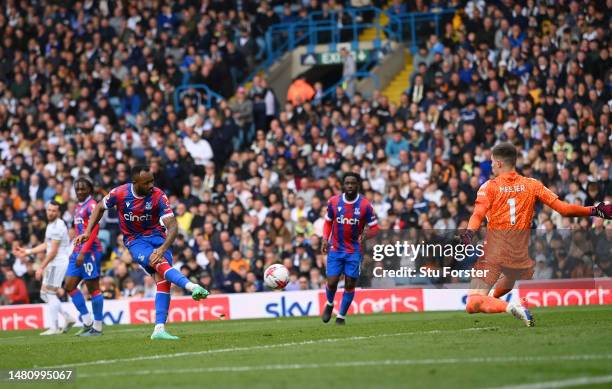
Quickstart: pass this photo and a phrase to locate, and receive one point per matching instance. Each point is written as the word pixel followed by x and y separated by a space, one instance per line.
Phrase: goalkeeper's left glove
pixel 602 210
pixel 466 237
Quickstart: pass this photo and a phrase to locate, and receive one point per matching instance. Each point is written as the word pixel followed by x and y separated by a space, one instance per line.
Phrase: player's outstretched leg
pixel 486 304
pixel 330 293
pixel 521 312
pixel 176 277
pixel 162 305
pixel 503 286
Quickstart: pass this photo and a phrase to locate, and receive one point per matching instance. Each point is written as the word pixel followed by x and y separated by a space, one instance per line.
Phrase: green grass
pixel 431 350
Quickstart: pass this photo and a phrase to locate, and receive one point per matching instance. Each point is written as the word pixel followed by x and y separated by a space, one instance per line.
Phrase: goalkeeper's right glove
pixel 602 210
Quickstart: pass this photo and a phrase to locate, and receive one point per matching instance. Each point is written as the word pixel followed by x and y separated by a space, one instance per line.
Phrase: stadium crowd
pixel 86 88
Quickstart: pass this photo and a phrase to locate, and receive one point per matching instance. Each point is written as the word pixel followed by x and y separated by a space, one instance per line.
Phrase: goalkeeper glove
pixel 466 237
pixel 602 210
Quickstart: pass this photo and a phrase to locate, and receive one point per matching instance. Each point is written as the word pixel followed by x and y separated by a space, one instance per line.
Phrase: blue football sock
pixel 97 305
pixel 331 294
pixel 79 301
pixel 176 277
pixel 347 299
pixel 162 305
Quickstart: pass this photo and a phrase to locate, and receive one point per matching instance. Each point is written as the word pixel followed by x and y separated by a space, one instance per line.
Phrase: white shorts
pixel 54 275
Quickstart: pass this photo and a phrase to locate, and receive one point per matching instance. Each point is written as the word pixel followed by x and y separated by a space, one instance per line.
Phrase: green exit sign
pixel 333 58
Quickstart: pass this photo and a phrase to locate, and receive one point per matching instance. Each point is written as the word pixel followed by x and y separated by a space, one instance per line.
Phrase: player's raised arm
pixel 94 219
pixel 109 201
pixel 171 232
pixel 169 221
pixel 19 251
pixel 87 246
pixel 546 196
pixel 601 210
pixel 481 208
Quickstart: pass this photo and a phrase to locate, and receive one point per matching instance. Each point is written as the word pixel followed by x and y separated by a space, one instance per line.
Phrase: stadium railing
pixel 331 91
pixel 411 28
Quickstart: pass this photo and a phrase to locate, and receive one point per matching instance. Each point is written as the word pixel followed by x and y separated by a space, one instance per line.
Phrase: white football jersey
pixel 58 231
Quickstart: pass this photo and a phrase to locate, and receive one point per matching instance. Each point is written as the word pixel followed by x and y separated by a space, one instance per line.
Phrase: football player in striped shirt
pixel 85 261
pixel 344 232
pixel 144 218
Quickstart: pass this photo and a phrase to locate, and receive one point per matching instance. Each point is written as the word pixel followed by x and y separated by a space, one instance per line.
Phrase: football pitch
pixel 569 347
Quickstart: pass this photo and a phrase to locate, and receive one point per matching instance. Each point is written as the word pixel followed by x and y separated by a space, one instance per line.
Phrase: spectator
pixel 13 290
pixel 349 68
pixel 300 91
pixel 102 104
pixel 199 149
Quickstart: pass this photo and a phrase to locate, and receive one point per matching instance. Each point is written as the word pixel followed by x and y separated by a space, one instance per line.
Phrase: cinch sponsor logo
pixel 376 301
pixel 346 220
pixel 561 293
pixel 21 318
pixel 181 310
pixel 133 218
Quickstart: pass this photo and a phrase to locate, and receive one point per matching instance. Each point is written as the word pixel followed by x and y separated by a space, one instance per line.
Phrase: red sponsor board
pixel 567 292
pixel 21 317
pixel 181 310
pixel 379 300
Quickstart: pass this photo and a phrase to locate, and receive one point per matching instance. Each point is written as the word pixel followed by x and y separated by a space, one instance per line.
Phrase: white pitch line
pixel 386 362
pixel 260 347
pixel 562 383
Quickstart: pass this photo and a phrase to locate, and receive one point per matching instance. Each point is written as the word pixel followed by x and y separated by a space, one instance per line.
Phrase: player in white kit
pixel 57 250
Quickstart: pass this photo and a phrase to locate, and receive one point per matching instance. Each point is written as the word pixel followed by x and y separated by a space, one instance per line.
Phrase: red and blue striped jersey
pixel 82 213
pixel 348 222
pixel 139 216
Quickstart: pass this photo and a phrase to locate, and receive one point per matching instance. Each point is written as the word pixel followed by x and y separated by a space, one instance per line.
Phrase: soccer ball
pixel 276 276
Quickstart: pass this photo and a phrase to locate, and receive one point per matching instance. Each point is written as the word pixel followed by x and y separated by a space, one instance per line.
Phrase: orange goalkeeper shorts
pixel 493 271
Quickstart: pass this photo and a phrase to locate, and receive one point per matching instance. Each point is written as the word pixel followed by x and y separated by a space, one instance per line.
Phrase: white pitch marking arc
pixel 385 362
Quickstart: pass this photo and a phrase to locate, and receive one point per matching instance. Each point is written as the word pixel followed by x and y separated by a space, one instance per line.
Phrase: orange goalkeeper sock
pixel 485 304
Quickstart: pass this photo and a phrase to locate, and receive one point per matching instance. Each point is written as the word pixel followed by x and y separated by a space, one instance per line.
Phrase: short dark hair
pixel 86 180
pixel 351 174
pixel 136 170
pixel 506 152
pixel 54 203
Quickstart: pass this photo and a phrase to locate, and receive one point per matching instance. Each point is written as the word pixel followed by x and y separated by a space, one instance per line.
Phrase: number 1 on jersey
pixel 512 204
